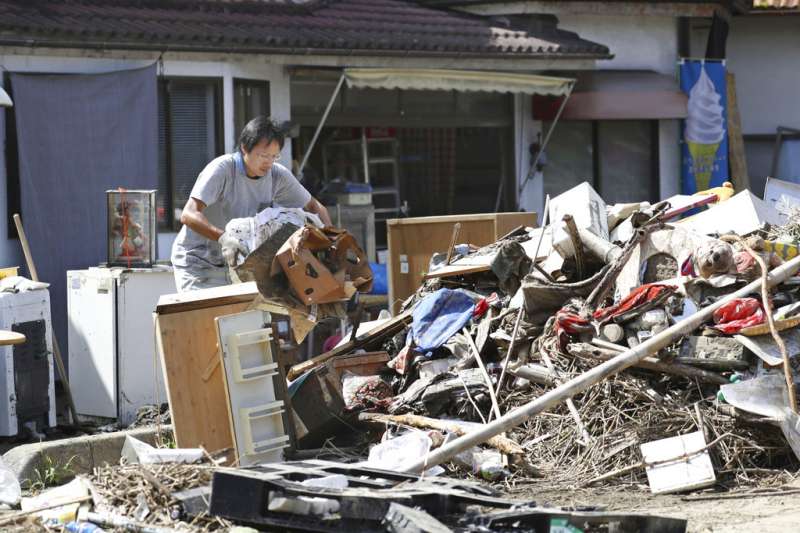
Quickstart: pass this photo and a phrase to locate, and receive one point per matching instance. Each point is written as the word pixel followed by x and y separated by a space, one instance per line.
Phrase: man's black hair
pixel 261 128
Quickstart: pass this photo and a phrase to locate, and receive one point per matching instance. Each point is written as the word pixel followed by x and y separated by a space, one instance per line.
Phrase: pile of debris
pixel 639 334
pixel 629 345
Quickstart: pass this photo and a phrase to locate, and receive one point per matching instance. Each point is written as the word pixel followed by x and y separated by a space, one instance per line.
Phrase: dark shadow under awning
pixel 617 95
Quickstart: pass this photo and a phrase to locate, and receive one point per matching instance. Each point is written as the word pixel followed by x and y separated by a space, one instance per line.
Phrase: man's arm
pixel 193 217
pixel 314 206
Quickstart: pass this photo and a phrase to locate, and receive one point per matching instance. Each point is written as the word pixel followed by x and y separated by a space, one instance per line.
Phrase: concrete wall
pixel 641 42
pixel 764 53
pixel 216 67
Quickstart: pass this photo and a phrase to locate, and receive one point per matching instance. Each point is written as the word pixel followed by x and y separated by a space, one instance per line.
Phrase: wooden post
pixel 736 153
pixel 62 373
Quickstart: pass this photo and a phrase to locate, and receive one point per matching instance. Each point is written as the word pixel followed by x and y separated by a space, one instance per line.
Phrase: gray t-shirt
pixel 228 193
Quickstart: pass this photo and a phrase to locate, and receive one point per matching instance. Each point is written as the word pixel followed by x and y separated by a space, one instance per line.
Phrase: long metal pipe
pixel 532 168
pixel 320 125
pixel 584 381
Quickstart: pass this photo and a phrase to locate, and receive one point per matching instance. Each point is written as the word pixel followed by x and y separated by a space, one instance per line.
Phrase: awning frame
pixel 433 79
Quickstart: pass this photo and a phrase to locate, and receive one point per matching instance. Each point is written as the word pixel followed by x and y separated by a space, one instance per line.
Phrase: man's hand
pixel 314 206
pixel 231 248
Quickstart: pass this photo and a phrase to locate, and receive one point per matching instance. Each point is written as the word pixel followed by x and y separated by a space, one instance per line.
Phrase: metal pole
pixel 365 154
pixel 321 123
pixel 532 169
pixel 595 375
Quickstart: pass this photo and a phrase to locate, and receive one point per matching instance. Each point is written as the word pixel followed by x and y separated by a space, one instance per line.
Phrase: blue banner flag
pixel 704 145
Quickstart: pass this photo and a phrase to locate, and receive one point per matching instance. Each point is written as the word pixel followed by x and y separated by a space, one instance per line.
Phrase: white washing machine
pixel 27 368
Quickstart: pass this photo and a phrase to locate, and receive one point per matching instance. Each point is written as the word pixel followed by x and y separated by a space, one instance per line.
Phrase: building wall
pixel 638 43
pixel 225 68
pixel 764 53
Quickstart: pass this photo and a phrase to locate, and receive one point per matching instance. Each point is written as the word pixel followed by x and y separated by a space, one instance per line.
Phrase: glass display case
pixel 131 227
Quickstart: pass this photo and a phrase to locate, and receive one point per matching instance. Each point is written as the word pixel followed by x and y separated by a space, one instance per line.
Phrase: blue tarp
pixel 438 317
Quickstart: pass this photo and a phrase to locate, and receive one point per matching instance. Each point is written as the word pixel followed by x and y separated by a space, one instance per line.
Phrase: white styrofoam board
pixel 685 470
pixel 743 213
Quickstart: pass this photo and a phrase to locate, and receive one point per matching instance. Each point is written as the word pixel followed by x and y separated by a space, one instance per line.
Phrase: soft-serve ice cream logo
pixel 705 128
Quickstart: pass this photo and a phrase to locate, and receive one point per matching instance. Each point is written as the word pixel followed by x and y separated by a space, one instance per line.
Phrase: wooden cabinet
pixel 412 241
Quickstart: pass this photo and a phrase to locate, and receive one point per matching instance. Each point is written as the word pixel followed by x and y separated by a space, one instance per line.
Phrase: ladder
pixel 386 188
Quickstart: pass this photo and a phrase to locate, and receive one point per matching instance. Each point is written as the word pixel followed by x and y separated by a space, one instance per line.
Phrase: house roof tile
pixel 389 27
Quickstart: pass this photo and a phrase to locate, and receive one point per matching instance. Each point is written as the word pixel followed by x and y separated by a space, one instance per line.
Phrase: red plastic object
pixel 738 314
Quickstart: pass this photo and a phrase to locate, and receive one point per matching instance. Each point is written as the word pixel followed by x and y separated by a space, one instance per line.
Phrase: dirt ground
pixel 722 514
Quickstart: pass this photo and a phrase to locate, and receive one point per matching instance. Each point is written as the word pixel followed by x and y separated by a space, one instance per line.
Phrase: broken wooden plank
pixel 763 329
pixel 456 270
pixel 388 328
pixel 204 298
pixel 504 444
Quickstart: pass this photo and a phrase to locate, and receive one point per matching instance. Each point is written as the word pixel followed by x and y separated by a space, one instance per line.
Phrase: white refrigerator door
pixel 141 379
pixel 92 342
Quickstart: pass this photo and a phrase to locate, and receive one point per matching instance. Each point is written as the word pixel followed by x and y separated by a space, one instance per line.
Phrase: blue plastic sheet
pixel 438 317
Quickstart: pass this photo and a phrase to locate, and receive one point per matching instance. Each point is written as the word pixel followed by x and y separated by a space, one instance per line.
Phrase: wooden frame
pixel 416 239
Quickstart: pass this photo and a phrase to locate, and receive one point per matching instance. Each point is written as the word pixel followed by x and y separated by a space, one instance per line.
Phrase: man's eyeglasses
pixel 268 157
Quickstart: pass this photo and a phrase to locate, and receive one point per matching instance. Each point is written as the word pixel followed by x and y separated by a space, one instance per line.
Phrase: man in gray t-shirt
pixel 232 186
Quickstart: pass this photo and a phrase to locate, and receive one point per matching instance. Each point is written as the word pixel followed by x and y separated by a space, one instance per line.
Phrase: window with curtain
pixel 619 158
pixel 250 99
pixel 190 135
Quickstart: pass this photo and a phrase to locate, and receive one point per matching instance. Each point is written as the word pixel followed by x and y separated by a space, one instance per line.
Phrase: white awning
pixel 455 80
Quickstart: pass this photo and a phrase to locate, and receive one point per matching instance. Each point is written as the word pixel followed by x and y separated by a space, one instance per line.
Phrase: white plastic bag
pixel 401 452
pixel 135 451
pixel 10 491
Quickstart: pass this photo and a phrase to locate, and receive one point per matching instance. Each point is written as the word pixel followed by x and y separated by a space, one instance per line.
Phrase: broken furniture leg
pixel 456 231
pixel 597 374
